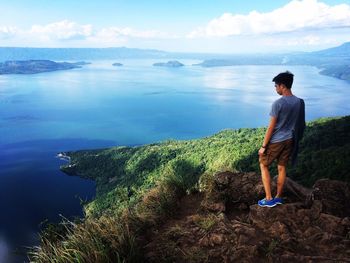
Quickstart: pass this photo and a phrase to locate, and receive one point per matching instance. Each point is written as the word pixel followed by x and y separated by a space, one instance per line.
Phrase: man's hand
pixel 261 151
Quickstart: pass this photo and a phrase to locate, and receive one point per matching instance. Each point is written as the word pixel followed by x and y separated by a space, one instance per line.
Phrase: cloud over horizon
pixel 297 15
pixel 300 25
pixel 7 32
pixel 66 31
pixel 63 30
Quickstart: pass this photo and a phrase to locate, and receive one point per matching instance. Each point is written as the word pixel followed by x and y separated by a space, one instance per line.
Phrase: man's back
pixel 286 110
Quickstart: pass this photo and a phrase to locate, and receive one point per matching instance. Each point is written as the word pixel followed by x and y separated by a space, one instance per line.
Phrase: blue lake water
pixel 100 105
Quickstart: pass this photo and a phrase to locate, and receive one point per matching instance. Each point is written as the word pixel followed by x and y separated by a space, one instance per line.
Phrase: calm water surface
pixel 100 106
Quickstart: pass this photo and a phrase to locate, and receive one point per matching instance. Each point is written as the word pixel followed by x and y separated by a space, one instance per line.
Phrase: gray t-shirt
pixel 286 110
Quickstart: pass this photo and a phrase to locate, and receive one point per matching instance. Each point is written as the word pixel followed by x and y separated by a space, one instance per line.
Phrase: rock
pixel 296 231
pixel 223 180
pixel 217 239
pixel 214 207
pixel 330 224
pixel 242 240
pixel 238 190
pixel 204 242
pixel 242 206
pixel 334 196
pixel 246 254
pixel 246 230
pixel 263 217
pixel 279 230
pixel 316 209
pixel 346 222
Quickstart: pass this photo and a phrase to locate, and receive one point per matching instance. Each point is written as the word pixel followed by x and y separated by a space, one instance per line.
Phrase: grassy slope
pixel 128 205
pixel 125 174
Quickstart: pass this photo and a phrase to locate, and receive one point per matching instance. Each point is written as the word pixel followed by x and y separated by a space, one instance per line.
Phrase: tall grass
pixel 115 238
pixel 106 239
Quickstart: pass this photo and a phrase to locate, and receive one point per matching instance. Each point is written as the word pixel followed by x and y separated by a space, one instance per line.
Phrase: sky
pixel 214 26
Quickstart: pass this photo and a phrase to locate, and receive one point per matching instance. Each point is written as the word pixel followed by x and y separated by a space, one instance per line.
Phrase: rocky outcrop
pixel 334 197
pixel 312 226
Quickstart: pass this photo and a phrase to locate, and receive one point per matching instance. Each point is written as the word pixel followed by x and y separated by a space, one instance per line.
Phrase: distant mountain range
pixel 24 53
pixel 333 61
pixel 342 50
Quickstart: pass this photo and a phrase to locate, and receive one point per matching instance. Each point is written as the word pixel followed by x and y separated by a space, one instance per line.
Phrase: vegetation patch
pixel 139 188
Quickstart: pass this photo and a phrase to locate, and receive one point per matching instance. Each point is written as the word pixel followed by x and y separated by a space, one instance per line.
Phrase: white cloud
pixel 301 25
pixel 59 33
pixel 63 30
pixel 308 40
pixel 7 32
pixel 296 40
pixel 68 30
pixel 111 36
pixel 113 32
pixel 67 33
pixel 295 16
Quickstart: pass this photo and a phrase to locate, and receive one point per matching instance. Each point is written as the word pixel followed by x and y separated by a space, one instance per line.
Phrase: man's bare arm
pixel 268 134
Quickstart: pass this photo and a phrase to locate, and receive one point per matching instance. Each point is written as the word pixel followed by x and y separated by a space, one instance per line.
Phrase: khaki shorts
pixel 279 151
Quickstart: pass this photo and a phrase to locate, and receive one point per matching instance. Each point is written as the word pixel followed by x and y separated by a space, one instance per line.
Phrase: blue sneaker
pixel 267 203
pixel 278 200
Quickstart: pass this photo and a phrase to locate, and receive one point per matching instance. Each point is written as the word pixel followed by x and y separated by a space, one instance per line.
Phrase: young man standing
pixel 281 139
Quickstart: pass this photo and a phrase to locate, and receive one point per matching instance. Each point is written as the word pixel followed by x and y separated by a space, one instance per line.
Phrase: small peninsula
pixel 36 66
pixel 169 64
pixel 337 71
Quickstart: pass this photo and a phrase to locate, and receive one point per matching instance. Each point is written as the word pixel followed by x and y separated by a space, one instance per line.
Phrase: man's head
pixel 283 80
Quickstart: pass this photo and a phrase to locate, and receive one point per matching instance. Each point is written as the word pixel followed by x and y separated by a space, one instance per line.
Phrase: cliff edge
pixel 224 224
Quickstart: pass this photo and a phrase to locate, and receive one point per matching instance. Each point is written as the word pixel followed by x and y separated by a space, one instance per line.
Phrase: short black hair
pixel 285 78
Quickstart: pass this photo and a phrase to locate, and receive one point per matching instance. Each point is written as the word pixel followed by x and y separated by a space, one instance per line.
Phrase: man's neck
pixel 287 92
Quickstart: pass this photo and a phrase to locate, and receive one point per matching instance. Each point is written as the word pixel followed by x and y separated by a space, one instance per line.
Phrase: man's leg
pixel 266 179
pixel 281 179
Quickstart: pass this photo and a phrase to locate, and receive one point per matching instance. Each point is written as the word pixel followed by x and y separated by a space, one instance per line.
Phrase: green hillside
pixel 140 188
pixel 124 174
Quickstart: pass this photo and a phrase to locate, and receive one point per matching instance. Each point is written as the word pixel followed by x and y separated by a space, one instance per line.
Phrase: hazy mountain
pixel 19 53
pixel 333 60
pixel 340 51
